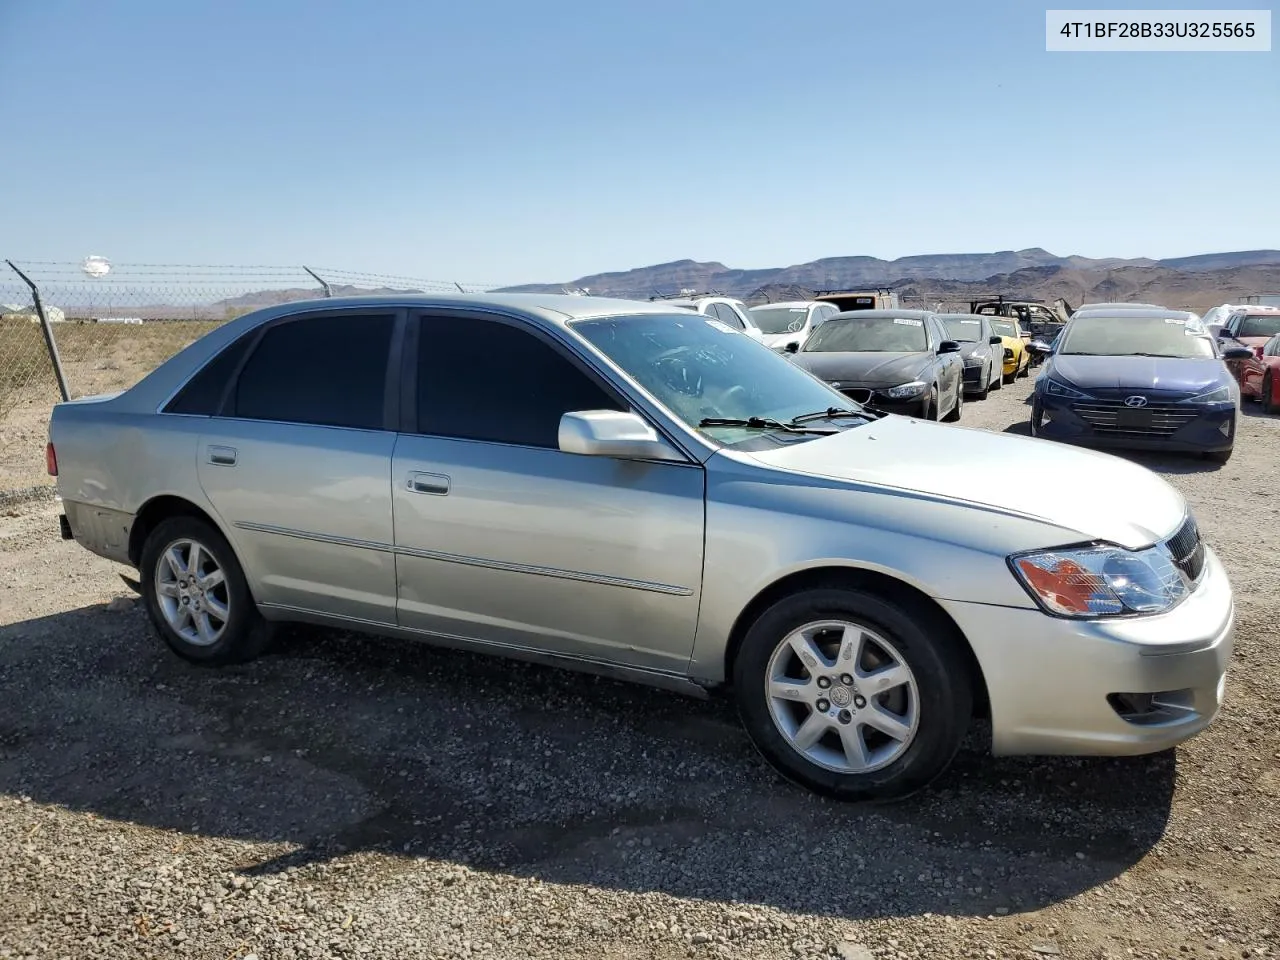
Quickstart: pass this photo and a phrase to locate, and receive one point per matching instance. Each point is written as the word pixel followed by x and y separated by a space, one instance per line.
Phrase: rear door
pixel 505 539
pixel 298 463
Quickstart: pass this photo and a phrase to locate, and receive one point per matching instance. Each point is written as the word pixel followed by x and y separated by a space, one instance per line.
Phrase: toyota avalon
pixel 642 491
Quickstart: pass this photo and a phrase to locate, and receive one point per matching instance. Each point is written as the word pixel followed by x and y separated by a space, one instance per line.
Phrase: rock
pixel 1046 949
pixel 848 950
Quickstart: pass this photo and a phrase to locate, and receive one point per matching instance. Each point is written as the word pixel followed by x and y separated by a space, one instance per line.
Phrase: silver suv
pixel 641 491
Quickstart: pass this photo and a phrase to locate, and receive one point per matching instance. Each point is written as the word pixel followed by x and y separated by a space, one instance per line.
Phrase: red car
pixel 1260 376
pixel 1250 327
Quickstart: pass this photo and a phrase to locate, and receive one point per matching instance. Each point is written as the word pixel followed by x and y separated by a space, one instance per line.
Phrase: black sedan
pixel 901 361
pixel 1138 380
pixel 980 349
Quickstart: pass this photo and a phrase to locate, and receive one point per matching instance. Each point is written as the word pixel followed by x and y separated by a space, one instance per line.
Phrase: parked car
pixel 632 489
pixel 727 310
pixel 786 325
pixel 1035 317
pixel 1249 327
pixel 1017 359
pixel 1146 380
pixel 901 361
pixel 1260 377
pixel 983 366
pixel 868 298
pixel 1120 306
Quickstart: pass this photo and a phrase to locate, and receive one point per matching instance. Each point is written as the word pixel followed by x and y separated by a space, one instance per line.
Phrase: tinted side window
pixel 323 370
pixel 203 393
pixel 727 315
pixel 485 380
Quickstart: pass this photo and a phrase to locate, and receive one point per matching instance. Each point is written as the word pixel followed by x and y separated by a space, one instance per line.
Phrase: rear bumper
pixel 1067 687
pixel 1212 429
pixel 99 530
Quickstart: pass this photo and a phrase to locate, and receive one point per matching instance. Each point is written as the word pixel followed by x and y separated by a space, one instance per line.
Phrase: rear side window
pixel 203 393
pixel 329 370
pixel 484 380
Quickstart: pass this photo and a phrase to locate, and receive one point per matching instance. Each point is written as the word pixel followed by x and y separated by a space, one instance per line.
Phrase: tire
pixel 934 698
pixel 931 404
pixel 1268 391
pixel 1025 370
pixel 1034 424
pixel 986 385
pixel 954 415
pixel 1009 377
pixel 997 381
pixel 234 637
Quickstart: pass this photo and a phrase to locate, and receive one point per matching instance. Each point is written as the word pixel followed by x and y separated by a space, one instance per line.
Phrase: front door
pixel 501 537
pixel 298 466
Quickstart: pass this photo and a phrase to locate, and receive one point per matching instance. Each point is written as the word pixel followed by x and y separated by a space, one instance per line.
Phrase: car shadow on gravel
pixel 1180 463
pixel 335 744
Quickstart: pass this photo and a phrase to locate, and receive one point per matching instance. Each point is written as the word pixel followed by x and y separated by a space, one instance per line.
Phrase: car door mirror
pixel 1237 353
pixel 792 347
pixel 995 341
pixel 613 433
pixel 948 346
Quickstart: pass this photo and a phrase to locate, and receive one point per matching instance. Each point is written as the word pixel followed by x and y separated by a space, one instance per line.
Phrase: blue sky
pixel 506 141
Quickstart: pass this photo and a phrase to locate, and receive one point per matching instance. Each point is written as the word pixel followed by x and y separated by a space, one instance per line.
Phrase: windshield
pixel 1004 328
pixel 780 319
pixel 868 335
pixel 699 370
pixel 1127 336
pixel 1260 325
pixel 963 329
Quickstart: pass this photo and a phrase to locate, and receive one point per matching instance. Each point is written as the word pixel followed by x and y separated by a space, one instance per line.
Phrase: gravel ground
pixel 346 797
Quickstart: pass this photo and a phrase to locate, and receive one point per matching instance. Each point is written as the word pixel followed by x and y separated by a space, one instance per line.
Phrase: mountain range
pixel 1030 272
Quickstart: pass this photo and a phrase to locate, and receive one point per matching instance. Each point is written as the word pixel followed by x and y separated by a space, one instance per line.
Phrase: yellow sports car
pixel 1017 360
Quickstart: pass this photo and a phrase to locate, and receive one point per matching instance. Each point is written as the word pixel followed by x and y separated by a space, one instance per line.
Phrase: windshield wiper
pixel 835 413
pixel 1167 356
pixel 756 423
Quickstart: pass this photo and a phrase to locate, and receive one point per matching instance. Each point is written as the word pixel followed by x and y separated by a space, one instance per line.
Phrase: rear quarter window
pixel 203 393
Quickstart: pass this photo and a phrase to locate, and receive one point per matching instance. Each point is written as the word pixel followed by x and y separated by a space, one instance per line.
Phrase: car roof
pixel 972 316
pixel 555 307
pixel 1122 306
pixel 883 314
pixel 1154 313
pixel 793 304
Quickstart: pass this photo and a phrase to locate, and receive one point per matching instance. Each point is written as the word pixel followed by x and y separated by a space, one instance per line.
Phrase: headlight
pixel 904 391
pixel 1056 388
pixel 1218 395
pixel 1100 581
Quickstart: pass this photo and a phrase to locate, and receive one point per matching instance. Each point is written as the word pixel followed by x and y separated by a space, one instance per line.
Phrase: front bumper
pixel 1054 683
pixel 1182 428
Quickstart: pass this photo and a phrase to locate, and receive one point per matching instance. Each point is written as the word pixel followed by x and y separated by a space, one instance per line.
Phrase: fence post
pixel 50 343
pixel 320 280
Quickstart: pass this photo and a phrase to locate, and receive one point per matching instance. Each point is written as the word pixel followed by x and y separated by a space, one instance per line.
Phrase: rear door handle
pixel 223 456
pixel 433 483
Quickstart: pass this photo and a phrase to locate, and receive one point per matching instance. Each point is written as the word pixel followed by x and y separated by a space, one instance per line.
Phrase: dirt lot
pixel 358 798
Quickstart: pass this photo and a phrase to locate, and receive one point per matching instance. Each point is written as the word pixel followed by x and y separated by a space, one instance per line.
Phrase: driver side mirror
pixel 792 347
pixel 612 433
pixel 1237 353
pixel 948 346
pixel 995 340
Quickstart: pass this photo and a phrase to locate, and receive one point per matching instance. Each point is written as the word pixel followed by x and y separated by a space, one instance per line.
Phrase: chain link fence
pixel 112 329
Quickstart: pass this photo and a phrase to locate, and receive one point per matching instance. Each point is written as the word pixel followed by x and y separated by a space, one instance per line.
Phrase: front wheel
pixel 847 694
pixel 954 415
pixel 1268 394
pixel 196 595
pixel 997 377
pixel 931 404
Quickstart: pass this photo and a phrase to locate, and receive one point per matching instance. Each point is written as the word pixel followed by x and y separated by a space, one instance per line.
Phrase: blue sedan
pixel 1138 380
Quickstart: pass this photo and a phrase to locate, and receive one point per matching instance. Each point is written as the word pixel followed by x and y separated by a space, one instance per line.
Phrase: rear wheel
pixel 1268 394
pixel 848 694
pixel 196 595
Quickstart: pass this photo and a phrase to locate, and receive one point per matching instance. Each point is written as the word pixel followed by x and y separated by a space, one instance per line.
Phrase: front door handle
pixel 433 483
pixel 223 456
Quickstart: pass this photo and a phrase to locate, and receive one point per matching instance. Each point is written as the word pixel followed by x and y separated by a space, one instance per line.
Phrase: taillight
pixel 50 460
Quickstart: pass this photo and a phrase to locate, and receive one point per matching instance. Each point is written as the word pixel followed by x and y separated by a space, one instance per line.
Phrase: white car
pixel 786 323
pixel 727 310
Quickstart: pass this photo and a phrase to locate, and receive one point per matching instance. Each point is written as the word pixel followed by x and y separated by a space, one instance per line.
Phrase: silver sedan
pixel 647 493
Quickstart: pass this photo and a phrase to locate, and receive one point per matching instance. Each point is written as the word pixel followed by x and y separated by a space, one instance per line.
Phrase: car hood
pixel 864 369
pixel 969 348
pixel 1166 374
pixel 1102 497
